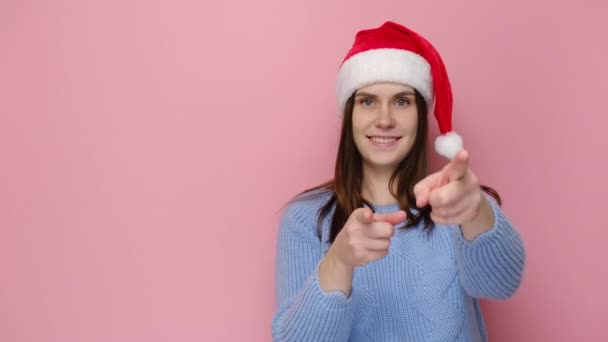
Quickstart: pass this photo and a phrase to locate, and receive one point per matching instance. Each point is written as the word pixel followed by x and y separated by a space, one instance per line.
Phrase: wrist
pixel 336 264
pixel 478 211
pixel 334 275
pixel 481 222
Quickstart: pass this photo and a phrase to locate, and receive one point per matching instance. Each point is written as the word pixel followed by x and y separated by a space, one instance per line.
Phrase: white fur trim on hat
pixel 449 144
pixel 383 65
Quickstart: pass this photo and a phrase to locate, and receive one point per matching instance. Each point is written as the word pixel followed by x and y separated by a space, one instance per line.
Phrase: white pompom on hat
pixel 394 53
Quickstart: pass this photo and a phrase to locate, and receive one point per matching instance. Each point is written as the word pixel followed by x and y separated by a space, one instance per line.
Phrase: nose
pixel 385 118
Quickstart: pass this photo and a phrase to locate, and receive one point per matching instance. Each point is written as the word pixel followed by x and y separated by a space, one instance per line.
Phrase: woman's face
pixel 384 123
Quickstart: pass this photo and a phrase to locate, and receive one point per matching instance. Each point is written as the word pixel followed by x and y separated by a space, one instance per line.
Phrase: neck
pixel 375 185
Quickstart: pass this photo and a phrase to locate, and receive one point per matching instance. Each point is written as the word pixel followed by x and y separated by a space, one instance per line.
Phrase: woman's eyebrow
pixel 364 94
pixel 399 94
pixel 404 93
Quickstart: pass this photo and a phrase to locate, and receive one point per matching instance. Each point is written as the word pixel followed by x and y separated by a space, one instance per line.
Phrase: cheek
pixel 360 125
pixel 359 136
pixel 410 125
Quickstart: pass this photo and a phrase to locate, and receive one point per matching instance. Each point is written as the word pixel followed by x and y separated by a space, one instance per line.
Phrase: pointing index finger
pixel 457 168
pixel 392 218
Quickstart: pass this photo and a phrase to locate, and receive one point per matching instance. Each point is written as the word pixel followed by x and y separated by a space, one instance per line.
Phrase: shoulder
pixel 303 211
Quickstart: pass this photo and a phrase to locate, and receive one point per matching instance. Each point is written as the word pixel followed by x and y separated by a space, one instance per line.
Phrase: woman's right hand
pixel 364 238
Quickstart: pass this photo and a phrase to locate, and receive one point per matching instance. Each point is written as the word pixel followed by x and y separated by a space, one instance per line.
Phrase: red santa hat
pixel 394 53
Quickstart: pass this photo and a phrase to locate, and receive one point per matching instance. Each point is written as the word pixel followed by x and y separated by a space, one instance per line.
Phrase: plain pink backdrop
pixel 147 147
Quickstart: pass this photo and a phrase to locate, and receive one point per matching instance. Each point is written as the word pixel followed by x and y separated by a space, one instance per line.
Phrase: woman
pixel 384 251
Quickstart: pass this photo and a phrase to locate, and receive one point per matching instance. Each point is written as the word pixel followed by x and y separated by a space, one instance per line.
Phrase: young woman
pixel 385 251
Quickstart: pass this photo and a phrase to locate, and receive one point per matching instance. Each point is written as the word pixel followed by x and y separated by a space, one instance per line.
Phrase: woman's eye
pixel 403 102
pixel 367 102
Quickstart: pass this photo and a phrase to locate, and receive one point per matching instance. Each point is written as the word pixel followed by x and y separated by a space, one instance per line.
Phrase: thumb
pixel 422 189
pixel 363 215
pixel 392 218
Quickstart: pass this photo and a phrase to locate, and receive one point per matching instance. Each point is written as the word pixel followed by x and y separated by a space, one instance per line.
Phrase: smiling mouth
pixel 383 140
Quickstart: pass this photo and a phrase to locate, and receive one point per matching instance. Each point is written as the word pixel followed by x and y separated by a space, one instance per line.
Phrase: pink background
pixel 147 147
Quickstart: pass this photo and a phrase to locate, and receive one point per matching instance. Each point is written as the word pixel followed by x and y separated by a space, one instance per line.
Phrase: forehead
pixel 385 88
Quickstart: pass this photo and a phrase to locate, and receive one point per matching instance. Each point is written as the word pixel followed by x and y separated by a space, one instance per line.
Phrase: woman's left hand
pixel 454 193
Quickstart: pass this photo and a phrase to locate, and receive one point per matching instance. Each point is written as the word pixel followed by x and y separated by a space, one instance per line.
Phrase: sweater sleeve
pixel 492 264
pixel 305 311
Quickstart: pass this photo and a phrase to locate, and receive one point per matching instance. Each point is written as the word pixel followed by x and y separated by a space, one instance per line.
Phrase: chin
pixel 392 163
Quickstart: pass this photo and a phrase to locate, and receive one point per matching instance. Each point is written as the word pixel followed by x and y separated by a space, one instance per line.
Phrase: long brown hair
pixel 348 177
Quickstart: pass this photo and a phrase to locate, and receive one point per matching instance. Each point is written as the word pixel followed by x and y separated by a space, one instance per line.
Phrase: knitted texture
pixel 426 289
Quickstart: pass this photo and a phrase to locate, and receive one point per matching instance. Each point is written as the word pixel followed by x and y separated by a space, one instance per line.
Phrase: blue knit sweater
pixel 426 289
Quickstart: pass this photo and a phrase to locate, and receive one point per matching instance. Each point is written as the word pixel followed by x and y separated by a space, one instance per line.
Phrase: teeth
pixel 383 140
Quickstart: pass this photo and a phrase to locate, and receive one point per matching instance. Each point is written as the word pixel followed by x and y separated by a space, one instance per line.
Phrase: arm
pixel 491 264
pixel 305 311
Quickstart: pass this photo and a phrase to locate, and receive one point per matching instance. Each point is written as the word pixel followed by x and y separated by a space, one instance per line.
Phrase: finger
pixel 470 210
pixel 457 168
pixel 380 230
pixel 447 195
pixel 392 218
pixel 453 211
pixel 423 188
pixel 460 210
pixel 457 218
pixel 377 245
pixel 453 192
pixel 364 215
